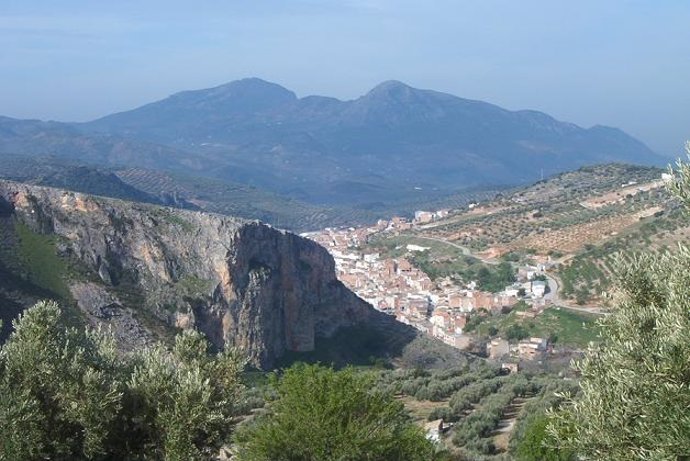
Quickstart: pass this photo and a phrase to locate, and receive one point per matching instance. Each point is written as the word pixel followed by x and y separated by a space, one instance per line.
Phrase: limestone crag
pixel 145 270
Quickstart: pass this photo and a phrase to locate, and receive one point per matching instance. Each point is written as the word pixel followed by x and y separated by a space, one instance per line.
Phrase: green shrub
pixel 322 414
pixel 532 444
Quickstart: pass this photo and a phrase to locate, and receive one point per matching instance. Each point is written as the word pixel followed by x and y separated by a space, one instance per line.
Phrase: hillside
pixel 146 271
pixel 63 141
pixel 578 223
pixel 71 175
pixel 177 189
pixel 184 190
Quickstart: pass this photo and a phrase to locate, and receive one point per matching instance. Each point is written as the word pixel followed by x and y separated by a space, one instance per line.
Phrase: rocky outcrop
pixel 146 270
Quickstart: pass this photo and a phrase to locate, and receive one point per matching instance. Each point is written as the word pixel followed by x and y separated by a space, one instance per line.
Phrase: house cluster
pixel 526 349
pixel 449 309
pixel 425 217
pixel 531 283
pixel 396 287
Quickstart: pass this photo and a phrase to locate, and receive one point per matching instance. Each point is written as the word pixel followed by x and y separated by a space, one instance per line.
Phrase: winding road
pixel 556 300
pixel 554 284
pixel 465 251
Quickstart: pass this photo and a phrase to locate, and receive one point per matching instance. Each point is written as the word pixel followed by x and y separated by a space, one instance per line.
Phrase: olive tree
pixel 60 394
pixel 67 393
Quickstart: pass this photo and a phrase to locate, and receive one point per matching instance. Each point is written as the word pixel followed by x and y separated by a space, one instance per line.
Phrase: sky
pixel 622 63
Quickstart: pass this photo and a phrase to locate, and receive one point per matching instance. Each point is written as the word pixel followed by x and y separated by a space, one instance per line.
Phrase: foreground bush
pixel 67 394
pixel 323 415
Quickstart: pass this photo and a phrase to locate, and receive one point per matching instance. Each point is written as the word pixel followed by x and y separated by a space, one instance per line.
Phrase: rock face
pixel 145 270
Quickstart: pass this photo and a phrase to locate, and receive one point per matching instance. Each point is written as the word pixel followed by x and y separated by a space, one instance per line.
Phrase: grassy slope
pixel 441 260
pixel 44 267
pixel 31 269
pixel 569 328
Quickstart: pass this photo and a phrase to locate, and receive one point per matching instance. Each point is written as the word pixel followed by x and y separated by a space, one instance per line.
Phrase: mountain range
pixel 393 144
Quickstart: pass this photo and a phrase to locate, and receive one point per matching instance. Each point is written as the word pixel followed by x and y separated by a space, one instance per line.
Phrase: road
pixel 554 284
pixel 557 300
pixel 465 251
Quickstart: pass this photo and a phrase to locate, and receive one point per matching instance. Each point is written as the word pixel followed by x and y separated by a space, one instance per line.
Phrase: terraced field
pixel 589 275
pixel 570 238
pixel 549 216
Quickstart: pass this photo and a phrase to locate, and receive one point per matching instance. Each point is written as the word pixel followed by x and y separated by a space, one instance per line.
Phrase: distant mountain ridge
pixel 65 141
pixel 394 143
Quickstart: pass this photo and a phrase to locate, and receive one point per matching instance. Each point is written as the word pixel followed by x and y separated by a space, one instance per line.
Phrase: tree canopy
pixel 325 415
pixel 67 394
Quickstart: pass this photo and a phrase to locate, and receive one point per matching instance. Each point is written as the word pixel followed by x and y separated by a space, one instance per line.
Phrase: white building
pixel 538 288
pixel 512 290
pixel 423 216
pixel 371 257
pixel 417 248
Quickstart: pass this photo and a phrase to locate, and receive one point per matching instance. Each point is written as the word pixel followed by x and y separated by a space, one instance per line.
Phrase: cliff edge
pixel 145 270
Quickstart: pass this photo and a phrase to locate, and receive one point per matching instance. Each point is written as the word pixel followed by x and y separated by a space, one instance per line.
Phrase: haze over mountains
pixel 394 143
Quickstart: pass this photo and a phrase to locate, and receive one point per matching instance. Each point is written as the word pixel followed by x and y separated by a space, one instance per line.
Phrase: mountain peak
pixel 396 92
pixel 255 90
pixel 390 87
pixel 252 84
pixel 390 84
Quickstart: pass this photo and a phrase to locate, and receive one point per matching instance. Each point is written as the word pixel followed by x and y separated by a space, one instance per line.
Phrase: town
pixel 441 308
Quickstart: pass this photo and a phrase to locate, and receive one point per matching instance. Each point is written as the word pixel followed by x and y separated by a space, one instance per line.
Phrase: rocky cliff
pixel 144 270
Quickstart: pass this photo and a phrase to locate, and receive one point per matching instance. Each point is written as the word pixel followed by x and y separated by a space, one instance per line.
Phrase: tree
pixel 496 278
pixel 635 386
pixel 516 332
pixel 58 395
pixel 68 394
pixel 322 415
pixel 531 445
pixel 181 402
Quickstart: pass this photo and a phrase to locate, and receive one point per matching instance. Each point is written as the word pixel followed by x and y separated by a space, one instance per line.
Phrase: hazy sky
pixel 624 63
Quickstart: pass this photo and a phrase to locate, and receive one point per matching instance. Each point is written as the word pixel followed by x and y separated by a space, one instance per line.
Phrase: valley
pixel 429 258
pixel 344 231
